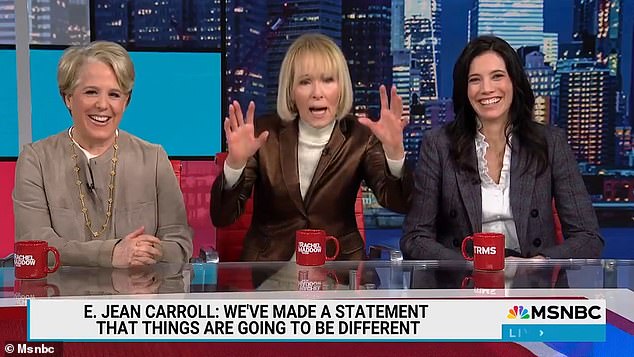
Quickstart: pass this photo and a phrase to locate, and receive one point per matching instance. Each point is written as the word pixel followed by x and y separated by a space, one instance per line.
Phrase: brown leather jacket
pixel 352 154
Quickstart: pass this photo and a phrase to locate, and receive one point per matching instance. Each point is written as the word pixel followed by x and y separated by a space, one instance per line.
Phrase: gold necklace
pixel 113 173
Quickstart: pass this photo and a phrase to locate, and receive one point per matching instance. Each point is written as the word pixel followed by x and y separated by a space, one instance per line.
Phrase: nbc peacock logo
pixel 518 312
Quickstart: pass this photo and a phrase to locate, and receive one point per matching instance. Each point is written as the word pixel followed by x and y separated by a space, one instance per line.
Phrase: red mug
pixel 488 251
pixel 34 288
pixel 31 259
pixel 485 280
pixel 315 278
pixel 310 247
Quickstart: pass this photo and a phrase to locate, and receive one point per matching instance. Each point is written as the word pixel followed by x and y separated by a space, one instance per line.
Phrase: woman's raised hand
pixel 240 134
pixel 389 128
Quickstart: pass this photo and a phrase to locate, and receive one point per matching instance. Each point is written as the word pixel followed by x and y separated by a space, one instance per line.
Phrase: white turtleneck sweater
pixel 310 144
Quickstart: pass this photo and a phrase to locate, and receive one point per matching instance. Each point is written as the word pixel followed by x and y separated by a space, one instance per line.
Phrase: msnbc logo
pixel 518 312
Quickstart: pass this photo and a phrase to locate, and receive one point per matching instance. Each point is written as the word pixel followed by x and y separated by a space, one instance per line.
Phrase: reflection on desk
pixel 83 281
pixel 518 274
pixel 338 275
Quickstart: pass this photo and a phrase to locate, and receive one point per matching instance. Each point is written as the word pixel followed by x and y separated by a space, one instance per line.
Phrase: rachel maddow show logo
pixel 23 260
pixel 555 312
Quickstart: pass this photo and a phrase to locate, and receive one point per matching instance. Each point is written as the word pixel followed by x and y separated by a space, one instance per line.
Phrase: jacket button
pixel 456 243
pixel 453 213
pixel 534 213
pixel 537 242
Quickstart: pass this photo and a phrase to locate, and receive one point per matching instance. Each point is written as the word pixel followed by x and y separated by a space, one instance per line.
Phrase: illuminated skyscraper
pixel 304 16
pixel 542 78
pixel 401 76
pixel 50 22
pixel 401 56
pixel 598 29
pixel 7 21
pixel 585 27
pixel 598 26
pixel 78 28
pixel 112 20
pixel 423 39
pixel 587 108
pixel 248 37
pixel 413 133
pixel 609 29
pixel 397 42
pixel 365 41
pixel 519 22
pixel 550 49
pixel 165 23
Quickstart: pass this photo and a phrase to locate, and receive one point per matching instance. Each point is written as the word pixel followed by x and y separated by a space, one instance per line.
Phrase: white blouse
pixel 496 205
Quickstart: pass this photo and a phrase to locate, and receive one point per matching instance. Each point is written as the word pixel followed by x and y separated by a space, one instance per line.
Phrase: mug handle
pixel 55 289
pixel 464 246
pixel 333 257
pixel 466 281
pixel 333 275
pixel 56 254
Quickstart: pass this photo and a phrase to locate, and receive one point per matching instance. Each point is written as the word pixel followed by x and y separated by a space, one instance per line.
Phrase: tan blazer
pixel 47 207
pixel 351 155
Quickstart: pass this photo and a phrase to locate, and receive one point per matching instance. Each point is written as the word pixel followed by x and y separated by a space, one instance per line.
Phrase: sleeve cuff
pixel 395 166
pixel 105 252
pixel 231 175
pixel 173 252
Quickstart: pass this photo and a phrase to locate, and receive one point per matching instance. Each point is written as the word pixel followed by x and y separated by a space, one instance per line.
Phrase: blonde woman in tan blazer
pixel 101 196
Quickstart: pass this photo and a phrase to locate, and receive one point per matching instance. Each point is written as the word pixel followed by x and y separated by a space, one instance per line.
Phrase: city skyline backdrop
pixel 68 22
pixel 577 54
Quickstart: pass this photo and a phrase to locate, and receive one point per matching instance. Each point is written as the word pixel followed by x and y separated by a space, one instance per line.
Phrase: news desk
pixel 611 280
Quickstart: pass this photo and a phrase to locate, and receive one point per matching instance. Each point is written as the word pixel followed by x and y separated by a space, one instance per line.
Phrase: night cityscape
pixel 577 55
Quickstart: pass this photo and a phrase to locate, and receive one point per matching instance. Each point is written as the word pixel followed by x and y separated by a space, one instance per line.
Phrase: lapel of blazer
pixel 288 161
pixel 521 188
pixel 333 146
pixel 469 188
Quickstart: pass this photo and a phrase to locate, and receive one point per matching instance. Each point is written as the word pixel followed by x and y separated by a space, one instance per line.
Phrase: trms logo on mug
pixel 484 250
pixel 488 251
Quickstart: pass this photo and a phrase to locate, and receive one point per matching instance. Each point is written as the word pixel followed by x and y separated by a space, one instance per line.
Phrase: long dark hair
pixel 462 130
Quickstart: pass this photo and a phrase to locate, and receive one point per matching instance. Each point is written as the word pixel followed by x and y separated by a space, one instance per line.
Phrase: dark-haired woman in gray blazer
pixel 493 169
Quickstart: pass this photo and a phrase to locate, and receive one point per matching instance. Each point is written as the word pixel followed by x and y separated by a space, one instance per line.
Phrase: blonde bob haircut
pixel 109 53
pixel 326 54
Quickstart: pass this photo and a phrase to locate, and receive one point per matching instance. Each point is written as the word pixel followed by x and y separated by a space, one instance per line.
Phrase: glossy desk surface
pixel 612 280
pixel 543 275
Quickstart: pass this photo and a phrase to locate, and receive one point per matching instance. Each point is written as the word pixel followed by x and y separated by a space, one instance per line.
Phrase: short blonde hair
pixel 109 53
pixel 323 49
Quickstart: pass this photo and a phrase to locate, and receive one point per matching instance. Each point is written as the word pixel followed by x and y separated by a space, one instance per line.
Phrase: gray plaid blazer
pixel 447 203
